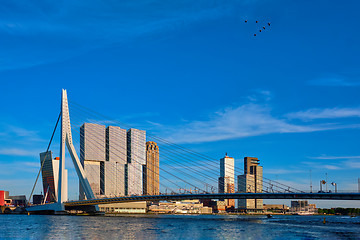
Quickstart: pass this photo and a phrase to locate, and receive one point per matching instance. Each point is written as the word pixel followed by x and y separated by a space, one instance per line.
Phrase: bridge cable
pixel 175 153
pixel 199 155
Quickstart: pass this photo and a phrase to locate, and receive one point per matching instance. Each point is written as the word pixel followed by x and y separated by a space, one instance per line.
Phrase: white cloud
pixel 317 113
pixel 283 171
pixel 341 162
pixel 333 82
pixel 352 164
pixel 320 165
pixel 239 122
pixel 19 168
pixel 334 157
pixel 154 123
pixel 14 133
pixel 18 152
pixel 260 95
pixel 349 162
pixel 21 132
pixel 330 167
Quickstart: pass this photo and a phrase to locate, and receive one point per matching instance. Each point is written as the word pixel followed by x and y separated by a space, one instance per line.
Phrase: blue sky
pixel 192 73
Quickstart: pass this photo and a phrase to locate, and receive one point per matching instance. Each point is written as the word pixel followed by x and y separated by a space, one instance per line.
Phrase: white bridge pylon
pixel 66 139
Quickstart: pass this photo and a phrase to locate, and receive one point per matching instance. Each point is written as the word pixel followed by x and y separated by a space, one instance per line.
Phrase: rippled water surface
pixel 179 227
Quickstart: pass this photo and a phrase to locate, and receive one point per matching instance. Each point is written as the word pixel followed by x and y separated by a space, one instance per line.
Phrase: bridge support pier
pixel 60 209
pixel 51 208
pixel 91 209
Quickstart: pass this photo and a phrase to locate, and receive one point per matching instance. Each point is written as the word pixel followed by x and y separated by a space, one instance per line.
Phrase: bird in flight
pixel 261 29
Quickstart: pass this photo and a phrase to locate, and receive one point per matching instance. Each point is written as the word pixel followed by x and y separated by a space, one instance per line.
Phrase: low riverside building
pixel 183 207
pixel 219 206
pixel 18 201
pixel 128 207
pixel 302 206
pixel 38 199
pixel 14 201
pixel 312 208
pixel 279 208
pixel 4 195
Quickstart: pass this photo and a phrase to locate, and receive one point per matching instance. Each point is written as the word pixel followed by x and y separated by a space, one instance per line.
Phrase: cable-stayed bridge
pixel 180 174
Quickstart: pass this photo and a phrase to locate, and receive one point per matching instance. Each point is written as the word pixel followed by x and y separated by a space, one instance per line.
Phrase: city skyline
pixel 196 77
pixel 97 148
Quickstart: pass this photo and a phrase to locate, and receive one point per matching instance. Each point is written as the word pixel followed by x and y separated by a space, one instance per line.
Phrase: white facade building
pixel 93 156
pixel 116 158
pixel 136 159
pixel 227 178
pixel 227 174
pixel 113 159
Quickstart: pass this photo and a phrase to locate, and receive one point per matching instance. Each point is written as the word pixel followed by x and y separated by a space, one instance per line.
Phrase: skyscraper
pixel 50 176
pixel 136 159
pixel 227 178
pixel 116 158
pixel 113 159
pixel 151 169
pixel 251 181
pixel 92 156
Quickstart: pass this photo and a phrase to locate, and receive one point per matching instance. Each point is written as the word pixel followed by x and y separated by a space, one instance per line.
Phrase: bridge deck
pixel 320 196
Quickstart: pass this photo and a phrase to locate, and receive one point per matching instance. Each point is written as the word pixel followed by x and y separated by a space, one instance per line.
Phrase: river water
pixel 178 227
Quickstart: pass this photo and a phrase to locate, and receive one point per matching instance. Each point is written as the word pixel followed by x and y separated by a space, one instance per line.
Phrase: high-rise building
pixel 92 156
pixel 136 159
pixel 227 178
pixel 50 176
pixel 151 169
pixel 113 159
pixel 251 181
pixel 116 158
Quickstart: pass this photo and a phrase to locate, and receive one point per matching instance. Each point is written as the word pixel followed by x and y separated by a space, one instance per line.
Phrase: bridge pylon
pixel 66 140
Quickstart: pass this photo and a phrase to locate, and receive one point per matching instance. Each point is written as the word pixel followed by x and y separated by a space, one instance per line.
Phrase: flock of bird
pixel 262 29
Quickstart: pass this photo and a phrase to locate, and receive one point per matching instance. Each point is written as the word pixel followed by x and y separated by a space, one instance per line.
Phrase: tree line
pixel 341 211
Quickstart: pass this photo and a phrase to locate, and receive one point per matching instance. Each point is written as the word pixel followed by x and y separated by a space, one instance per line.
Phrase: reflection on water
pixel 179 227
